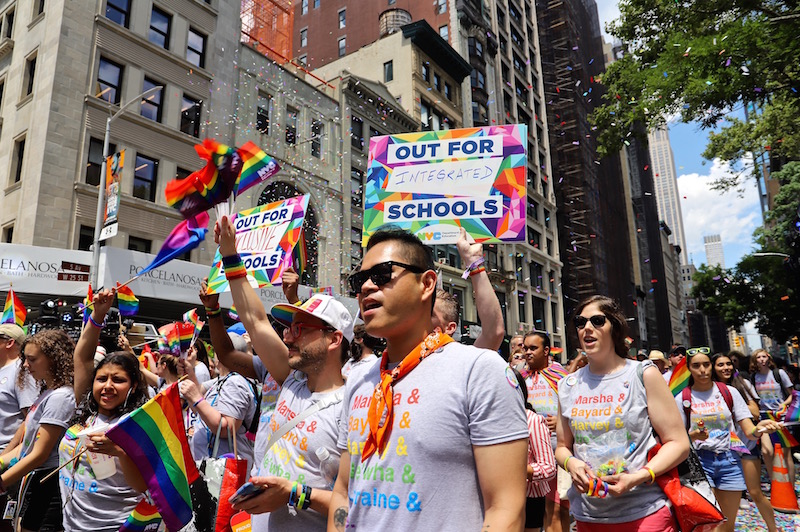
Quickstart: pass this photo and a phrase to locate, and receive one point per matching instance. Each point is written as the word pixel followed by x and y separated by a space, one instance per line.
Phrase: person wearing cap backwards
pixel 307 364
pixel 659 360
pixel 434 434
pixel 676 354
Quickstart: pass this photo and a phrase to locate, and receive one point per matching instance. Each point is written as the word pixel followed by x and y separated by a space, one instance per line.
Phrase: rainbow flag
pixel 143 518
pixel 127 302
pixel 209 349
pixel 191 316
pixel 14 311
pixel 172 336
pixel 302 254
pixel 184 237
pixel 792 412
pixel 782 436
pixel 327 290
pixel 680 377
pixel 738 445
pixel 257 167
pixel 163 344
pixel 154 437
pixel 185 334
pixel 552 374
pixel 86 310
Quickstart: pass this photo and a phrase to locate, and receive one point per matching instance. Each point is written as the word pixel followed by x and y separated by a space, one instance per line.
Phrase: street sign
pixel 74 267
pixel 73 276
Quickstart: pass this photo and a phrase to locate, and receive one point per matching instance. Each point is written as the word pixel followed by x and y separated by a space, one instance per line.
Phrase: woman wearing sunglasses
pixel 610 412
pixel 709 410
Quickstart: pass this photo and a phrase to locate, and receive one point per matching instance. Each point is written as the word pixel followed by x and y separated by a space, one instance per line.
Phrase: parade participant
pixel 611 411
pixel 515 345
pixel 362 350
pixel 167 370
pixel 227 399
pixel 724 372
pixel 445 309
pixel 445 410
pixel 198 358
pixel 47 357
pixel 660 361
pixel 518 361
pixel 104 394
pixel 307 364
pixel 542 384
pixel 709 418
pixel 676 354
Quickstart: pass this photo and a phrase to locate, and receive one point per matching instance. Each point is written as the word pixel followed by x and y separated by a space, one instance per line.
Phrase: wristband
pixel 753 433
pixel 198 401
pixel 566 462
pixel 292 494
pixel 652 474
pixel 2 465
pixel 477 271
pixel 234 267
pixel 307 494
pixel 302 500
pixel 213 312
pixel 98 325
pixel 472 267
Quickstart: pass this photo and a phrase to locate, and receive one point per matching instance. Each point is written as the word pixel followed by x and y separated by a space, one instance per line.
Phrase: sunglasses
pixel 297 328
pixel 598 320
pixel 380 274
pixel 698 351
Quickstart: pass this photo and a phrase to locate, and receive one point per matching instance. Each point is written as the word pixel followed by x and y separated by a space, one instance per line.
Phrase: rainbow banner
pixel 184 237
pixel 432 183
pixel 265 238
pixel 143 518
pixel 154 437
pixel 680 377
pixel 14 311
pixel 127 302
pixel 257 167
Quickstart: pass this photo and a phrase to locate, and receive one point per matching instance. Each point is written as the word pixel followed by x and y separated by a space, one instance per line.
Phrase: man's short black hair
pixel 541 334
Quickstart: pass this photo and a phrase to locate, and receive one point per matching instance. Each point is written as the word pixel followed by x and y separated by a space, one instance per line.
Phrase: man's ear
pixel 428 284
pixel 451 328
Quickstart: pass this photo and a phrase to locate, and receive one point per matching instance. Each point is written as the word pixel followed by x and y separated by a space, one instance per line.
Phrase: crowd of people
pixel 428 433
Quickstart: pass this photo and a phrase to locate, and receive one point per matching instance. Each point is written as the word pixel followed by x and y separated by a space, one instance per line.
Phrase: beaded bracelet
pixel 234 267
pixel 98 325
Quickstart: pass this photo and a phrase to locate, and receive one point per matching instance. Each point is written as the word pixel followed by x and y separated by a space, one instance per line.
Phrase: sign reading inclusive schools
pixel 433 182
pixel 265 237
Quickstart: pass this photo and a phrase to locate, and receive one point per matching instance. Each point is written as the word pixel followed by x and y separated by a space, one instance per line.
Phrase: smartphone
pixel 247 490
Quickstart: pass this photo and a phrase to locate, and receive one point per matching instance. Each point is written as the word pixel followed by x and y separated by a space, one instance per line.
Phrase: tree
pixel 780 228
pixel 700 59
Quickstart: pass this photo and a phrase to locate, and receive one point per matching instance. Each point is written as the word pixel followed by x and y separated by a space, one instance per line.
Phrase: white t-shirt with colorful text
pixel 710 407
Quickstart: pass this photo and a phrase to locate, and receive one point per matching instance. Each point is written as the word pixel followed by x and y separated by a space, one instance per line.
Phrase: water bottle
pixel 328 466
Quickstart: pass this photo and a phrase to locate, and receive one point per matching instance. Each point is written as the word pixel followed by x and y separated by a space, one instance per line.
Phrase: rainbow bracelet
pixel 234 267
pixel 597 488
pixel 293 494
pixel 213 312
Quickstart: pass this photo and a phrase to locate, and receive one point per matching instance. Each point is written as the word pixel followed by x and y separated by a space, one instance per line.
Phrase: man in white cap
pixel 14 401
pixel 659 359
pixel 307 364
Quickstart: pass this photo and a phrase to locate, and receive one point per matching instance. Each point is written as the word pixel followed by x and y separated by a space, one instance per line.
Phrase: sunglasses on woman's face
pixel 698 351
pixel 380 274
pixel 598 320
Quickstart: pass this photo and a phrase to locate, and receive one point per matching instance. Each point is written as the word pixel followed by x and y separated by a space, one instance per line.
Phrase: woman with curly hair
pixel 48 359
pixel 112 389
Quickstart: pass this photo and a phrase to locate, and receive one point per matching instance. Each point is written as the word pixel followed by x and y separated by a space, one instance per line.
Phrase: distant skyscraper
pixel 666 182
pixel 714 254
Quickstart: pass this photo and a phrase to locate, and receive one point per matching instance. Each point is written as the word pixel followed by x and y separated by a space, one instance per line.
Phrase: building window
pixel 448 91
pixel 441 6
pixel 444 32
pixel 144 178
pixel 534 238
pixel 160 23
pixel 342 18
pixel 109 81
pixel 388 71
pixel 95 160
pixel 316 4
pixel 426 72
pixel 521 298
pixel 8 24
pixel 86 238
pixel 40 7
pixel 118 11
pixel 182 173
pixel 291 125
pixel 342 46
pixel 141 245
pixel 30 74
pixel 196 48
pixel 475 47
pixel 536 274
pixel 356 187
pixel 538 313
pixel 263 112
pixel 303 60
pixel 151 106
pixel 303 38
pixel 19 158
pixel 317 133
pixel 437 82
pixel 357 133
pixel 190 116
pixel 480 116
pixel 304 7
pixel 477 79
pixel 2 91
pixel 425 115
pixel 8 234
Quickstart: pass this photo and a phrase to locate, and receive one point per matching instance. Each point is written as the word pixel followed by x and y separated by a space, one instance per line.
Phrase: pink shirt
pixel 540 456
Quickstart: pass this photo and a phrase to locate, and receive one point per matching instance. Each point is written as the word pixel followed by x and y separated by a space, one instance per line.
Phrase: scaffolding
pixel 267 26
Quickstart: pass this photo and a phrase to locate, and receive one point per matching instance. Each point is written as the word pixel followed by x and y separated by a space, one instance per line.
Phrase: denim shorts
pixel 724 470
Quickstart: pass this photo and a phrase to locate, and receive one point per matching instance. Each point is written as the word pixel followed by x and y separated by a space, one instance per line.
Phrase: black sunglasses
pixel 598 320
pixel 380 274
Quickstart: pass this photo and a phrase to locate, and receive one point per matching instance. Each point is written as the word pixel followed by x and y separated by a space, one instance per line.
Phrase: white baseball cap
pixel 321 306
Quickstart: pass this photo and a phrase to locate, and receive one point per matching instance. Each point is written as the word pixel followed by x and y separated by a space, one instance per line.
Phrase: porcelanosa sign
pixel 35 270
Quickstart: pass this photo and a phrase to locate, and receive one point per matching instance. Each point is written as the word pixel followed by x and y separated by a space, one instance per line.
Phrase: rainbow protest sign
pixel 433 182
pixel 265 237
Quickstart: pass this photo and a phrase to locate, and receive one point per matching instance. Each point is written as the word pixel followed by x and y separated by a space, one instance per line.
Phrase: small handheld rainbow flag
pixel 87 310
pixel 186 333
pixel 143 518
pixel 792 413
pixel 680 378
pixel 191 316
pixel 184 237
pixel 782 436
pixel 302 254
pixel 257 166
pixel 14 311
pixel 154 438
pixel 127 302
pixel 172 336
pixel 738 445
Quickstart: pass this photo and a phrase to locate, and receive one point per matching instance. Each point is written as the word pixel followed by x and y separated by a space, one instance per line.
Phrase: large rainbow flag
pixel 14 311
pixel 184 237
pixel 143 518
pixel 680 377
pixel 154 437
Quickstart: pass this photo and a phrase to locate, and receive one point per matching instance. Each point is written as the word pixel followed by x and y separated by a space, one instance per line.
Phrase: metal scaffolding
pixel 267 26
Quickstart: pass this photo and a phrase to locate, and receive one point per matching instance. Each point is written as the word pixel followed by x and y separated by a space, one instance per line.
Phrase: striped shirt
pixel 540 456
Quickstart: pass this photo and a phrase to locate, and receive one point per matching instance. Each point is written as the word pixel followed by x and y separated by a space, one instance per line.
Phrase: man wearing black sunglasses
pixel 428 397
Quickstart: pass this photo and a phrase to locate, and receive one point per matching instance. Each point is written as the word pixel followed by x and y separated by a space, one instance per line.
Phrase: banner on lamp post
pixel 114 165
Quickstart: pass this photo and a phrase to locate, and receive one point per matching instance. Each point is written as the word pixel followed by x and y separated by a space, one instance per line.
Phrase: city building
pixel 687 278
pixel 674 287
pixel 666 183
pixel 715 255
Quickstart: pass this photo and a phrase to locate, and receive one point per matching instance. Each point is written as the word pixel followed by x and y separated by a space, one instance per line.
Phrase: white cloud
pixel 733 215
pixel 607 10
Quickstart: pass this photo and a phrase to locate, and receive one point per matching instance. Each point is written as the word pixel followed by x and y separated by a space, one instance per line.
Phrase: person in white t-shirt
pixel 363 349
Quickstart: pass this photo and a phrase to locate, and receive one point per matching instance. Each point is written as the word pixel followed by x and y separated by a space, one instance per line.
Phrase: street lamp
pixel 101 195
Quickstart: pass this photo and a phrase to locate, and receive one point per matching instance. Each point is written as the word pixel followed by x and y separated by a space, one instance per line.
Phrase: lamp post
pixel 101 195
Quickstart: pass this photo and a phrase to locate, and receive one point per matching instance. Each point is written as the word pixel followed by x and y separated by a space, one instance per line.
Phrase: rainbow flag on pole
pixel 184 237
pixel 154 437
pixel 257 166
pixel 782 436
pixel 127 302
pixel 87 311
pixel 680 377
pixel 143 518
pixel 14 311
pixel 191 316
pixel 792 414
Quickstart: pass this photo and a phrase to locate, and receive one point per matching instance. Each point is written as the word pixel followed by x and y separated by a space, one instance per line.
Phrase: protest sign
pixel 265 237
pixel 114 164
pixel 433 182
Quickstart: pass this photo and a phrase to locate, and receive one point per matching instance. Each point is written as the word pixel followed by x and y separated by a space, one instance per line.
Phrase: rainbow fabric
pixel 782 436
pixel 184 237
pixel 143 518
pixel 257 167
pixel 191 316
pixel 792 413
pixel 87 311
pixel 738 445
pixel 302 253
pixel 552 374
pixel 327 290
pixel 185 335
pixel 209 349
pixel 127 302
pixel 154 437
pixel 14 311
pixel 172 336
pixel 163 344
pixel 680 378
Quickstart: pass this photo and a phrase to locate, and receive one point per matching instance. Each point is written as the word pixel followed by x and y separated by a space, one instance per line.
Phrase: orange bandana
pixel 381 410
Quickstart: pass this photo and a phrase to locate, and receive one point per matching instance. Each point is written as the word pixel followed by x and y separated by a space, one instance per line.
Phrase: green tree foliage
pixel 779 222
pixel 700 59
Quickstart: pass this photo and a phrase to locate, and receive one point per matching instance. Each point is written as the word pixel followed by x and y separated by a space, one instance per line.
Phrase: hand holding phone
pixel 247 490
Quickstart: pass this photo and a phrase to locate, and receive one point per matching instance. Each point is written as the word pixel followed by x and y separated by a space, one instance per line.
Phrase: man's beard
pixel 311 362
